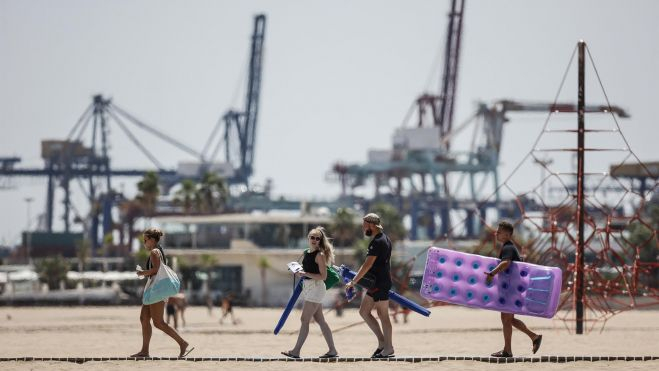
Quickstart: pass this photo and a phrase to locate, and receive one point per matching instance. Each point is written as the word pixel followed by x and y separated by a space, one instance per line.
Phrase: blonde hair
pixel 325 244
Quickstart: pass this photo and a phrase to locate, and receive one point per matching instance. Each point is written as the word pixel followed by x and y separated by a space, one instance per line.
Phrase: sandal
pixel 186 352
pixel 536 343
pixel 377 351
pixel 327 355
pixel 379 355
pixel 290 355
pixel 502 354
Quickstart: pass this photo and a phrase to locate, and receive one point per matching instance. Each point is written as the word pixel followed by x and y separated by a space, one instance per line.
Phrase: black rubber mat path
pixel 542 359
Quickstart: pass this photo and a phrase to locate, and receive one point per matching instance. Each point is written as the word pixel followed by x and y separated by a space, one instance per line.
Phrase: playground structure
pixel 601 233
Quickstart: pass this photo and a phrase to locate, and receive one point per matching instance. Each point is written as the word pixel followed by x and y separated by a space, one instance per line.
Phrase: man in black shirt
pixel 377 266
pixel 508 255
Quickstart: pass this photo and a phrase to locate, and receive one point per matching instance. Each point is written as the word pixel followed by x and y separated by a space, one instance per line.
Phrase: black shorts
pixel 378 293
pixel 171 310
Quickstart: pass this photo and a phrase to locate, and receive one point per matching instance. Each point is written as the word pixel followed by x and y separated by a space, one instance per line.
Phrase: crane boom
pixel 253 94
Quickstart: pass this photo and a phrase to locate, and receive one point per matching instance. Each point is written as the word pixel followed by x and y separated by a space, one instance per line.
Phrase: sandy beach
pixel 449 331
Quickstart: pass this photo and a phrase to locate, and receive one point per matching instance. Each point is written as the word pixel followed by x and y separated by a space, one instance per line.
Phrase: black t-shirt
pixel 509 252
pixel 380 247
pixel 309 262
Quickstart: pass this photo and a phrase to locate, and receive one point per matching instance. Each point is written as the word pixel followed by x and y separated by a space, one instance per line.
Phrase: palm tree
pixel 212 193
pixel 264 264
pixel 52 271
pixel 148 192
pixel 82 253
pixel 391 220
pixel 643 238
pixel 359 250
pixel 129 211
pixel 186 195
pixel 207 262
pixel 141 256
pixel 344 228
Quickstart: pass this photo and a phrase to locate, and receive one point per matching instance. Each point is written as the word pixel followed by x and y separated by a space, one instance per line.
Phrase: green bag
pixel 332 278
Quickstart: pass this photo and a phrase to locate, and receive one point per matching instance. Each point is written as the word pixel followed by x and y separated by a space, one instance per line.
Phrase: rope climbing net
pixel 621 214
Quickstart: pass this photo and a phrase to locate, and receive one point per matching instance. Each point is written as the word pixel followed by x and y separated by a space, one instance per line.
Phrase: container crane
pixel 418 169
pixel 239 127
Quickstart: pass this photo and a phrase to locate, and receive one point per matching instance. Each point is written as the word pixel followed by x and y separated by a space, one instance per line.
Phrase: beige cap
pixel 372 218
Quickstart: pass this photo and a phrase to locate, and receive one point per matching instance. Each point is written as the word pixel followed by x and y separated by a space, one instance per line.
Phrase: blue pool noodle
pixel 346 273
pixel 291 303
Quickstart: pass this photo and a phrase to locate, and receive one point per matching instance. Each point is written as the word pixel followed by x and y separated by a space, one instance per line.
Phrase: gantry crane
pixel 239 127
pixel 416 172
pixel 69 160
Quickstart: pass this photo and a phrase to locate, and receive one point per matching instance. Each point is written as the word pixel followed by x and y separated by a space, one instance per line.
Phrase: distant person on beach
pixel 170 308
pixel 378 266
pixel 155 311
pixel 339 302
pixel 314 272
pixel 209 304
pixel 180 304
pixel 507 255
pixel 176 308
pixel 226 306
pixel 396 309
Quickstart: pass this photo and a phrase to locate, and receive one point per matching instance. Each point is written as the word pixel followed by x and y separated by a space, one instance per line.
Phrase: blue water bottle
pixel 350 293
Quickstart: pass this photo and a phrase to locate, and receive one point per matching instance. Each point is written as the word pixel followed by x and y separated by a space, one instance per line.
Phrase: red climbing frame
pixel 620 241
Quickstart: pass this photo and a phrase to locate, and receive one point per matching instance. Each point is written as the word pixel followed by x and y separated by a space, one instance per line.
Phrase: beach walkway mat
pixel 541 359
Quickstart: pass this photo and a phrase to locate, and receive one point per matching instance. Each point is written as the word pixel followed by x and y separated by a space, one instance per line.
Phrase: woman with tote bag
pixel 162 283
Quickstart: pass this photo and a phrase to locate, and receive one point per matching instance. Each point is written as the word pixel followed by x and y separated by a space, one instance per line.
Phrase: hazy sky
pixel 339 76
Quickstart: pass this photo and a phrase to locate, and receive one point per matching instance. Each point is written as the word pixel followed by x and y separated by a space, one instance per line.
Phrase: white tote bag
pixel 162 285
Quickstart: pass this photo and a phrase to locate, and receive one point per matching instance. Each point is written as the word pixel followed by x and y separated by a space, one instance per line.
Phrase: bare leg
pixel 224 314
pixel 522 327
pixel 157 311
pixel 382 307
pixel 308 309
pixel 365 311
pixel 180 309
pixel 145 320
pixel 507 322
pixel 324 328
pixel 394 314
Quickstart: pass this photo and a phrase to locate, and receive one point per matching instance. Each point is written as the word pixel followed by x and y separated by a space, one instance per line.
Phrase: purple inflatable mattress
pixel 523 288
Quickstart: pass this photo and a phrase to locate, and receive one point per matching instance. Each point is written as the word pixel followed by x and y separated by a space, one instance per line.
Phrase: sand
pixel 450 331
